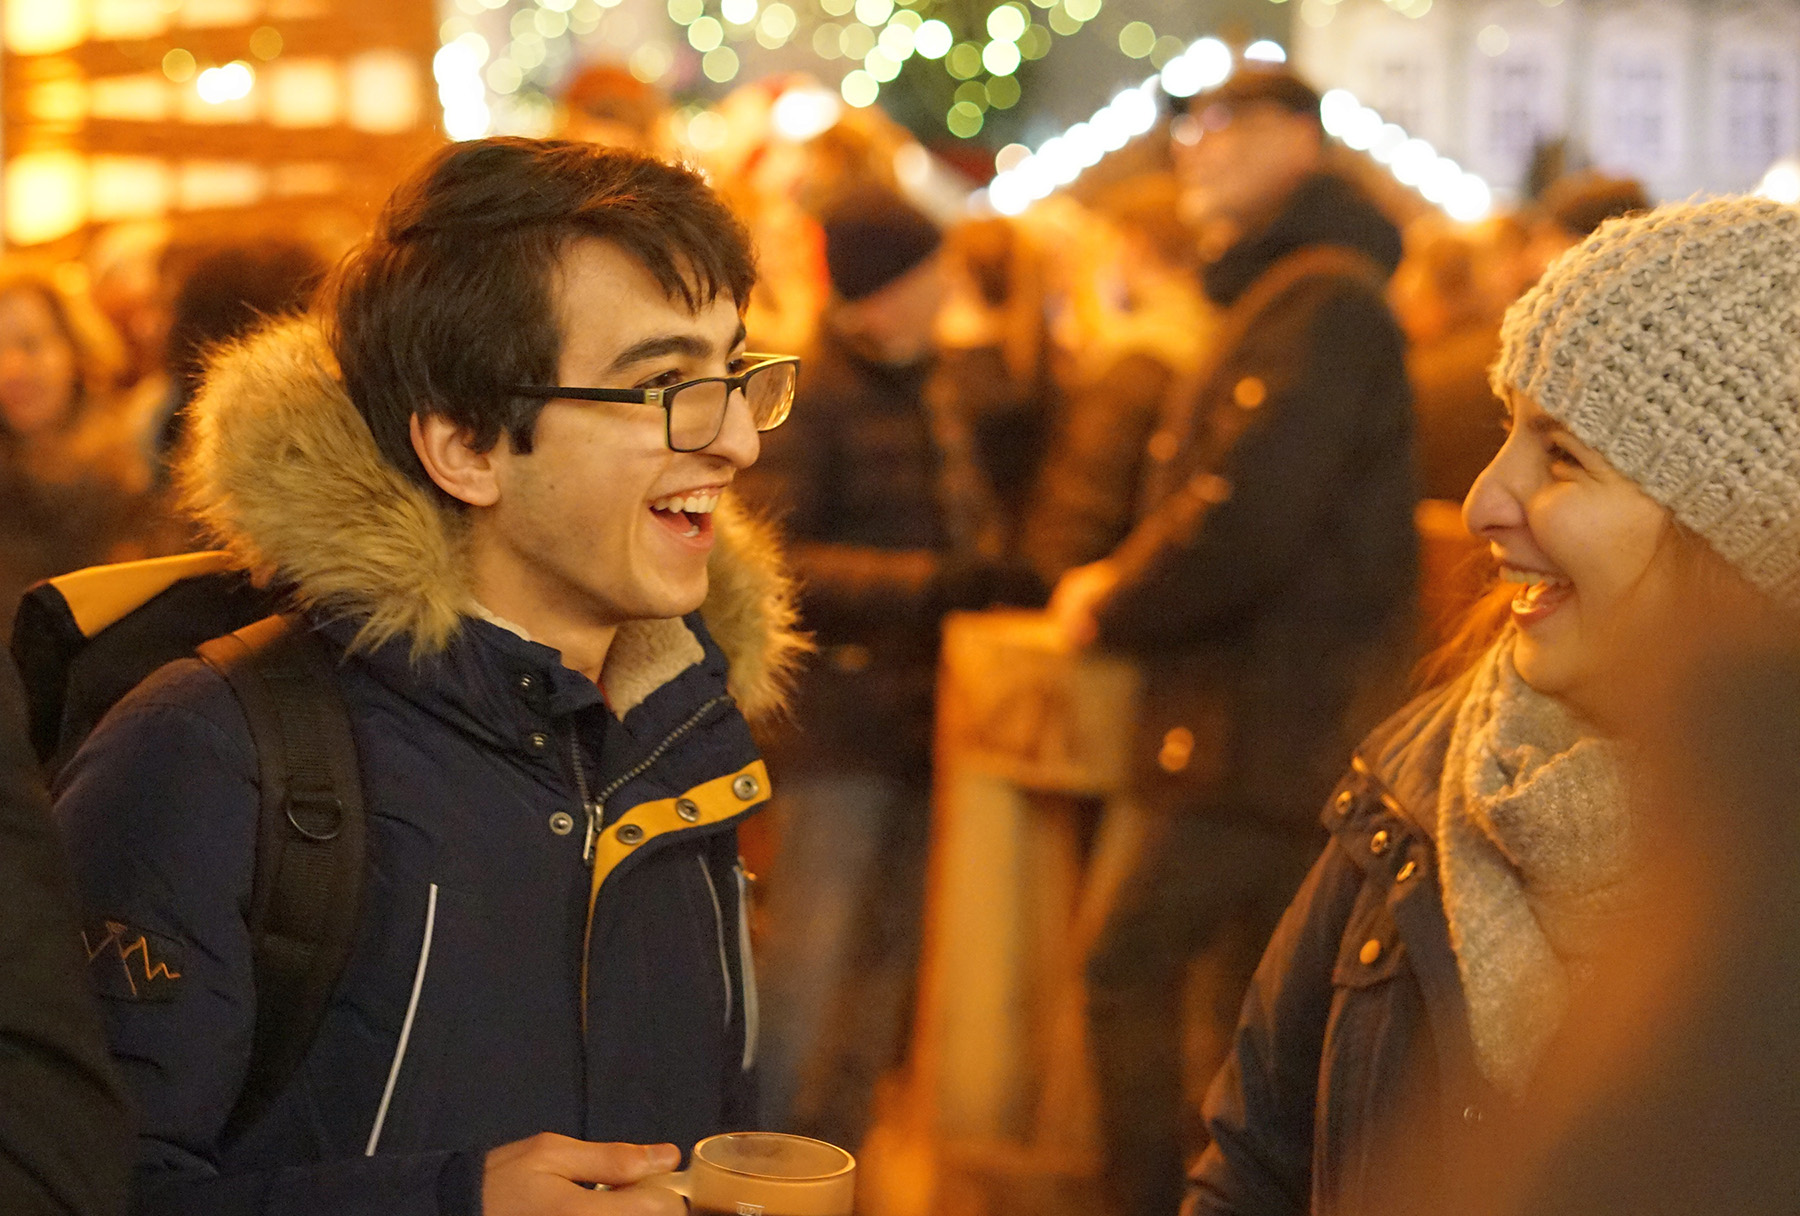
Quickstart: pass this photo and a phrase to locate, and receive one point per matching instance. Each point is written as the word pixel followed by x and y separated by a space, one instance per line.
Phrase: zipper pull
pixel 593 830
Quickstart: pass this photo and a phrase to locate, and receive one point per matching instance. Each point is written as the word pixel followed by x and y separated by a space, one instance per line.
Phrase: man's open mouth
pixel 689 514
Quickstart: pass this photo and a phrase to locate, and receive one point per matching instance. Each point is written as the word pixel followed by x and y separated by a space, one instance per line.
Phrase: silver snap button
pixel 688 809
pixel 746 787
pixel 539 740
pixel 562 823
pixel 1344 799
pixel 1471 1114
pixel 527 683
pixel 1378 843
pixel 631 833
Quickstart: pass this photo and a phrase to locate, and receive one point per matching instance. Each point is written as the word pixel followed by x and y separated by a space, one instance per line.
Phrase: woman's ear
pixel 451 460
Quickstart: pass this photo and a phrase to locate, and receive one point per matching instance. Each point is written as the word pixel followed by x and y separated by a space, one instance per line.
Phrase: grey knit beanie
pixel 1669 342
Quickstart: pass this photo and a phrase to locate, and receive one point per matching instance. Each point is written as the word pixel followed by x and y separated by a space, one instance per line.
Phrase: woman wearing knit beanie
pixel 1483 842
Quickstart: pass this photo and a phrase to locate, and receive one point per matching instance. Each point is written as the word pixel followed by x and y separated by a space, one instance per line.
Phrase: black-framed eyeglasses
pixel 695 409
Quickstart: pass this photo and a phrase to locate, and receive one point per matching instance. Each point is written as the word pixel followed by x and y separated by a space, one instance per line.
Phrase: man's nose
pixel 738 440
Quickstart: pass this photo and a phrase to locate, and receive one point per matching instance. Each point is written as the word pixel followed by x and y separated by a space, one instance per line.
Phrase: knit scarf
pixel 1534 834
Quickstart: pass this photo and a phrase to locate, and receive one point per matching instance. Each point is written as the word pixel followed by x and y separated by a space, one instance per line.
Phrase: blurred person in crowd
pixel 993 352
pixel 605 104
pixel 893 522
pixel 761 168
pixel 72 481
pixel 494 478
pixel 1454 333
pixel 1133 325
pixel 65 1140
pixel 226 292
pixel 1267 590
pixel 1567 212
pixel 1485 844
pixel 124 277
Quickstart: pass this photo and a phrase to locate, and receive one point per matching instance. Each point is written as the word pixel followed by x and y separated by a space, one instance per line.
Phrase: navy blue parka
pixel 512 973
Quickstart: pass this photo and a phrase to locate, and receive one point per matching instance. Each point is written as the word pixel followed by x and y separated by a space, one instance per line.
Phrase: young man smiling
pixel 494 482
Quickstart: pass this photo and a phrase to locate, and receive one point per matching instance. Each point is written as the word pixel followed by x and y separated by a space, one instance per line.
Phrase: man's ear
pixel 451 460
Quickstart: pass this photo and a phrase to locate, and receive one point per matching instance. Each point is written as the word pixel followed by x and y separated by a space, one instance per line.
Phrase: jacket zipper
pixel 595 808
pixel 712 888
pixel 406 1026
pixel 747 968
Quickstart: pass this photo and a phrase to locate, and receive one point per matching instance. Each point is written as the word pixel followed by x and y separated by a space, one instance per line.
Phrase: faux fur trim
pixel 282 471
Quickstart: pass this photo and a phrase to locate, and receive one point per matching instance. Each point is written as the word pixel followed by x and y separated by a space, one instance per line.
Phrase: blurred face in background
pixel 1237 163
pixel 895 326
pixel 37 365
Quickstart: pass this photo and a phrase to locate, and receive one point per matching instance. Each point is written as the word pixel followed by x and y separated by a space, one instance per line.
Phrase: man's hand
pixel 1077 600
pixel 542 1176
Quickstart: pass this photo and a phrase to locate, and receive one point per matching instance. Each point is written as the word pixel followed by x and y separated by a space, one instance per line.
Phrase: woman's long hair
pixel 98 352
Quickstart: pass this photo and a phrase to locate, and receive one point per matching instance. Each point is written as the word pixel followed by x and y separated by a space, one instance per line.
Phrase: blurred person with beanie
pixel 892 522
pixel 605 104
pixel 1266 590
pixel 1486 845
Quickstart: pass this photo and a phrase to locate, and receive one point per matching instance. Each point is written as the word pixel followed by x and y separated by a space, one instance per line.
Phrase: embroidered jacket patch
pixel 132 964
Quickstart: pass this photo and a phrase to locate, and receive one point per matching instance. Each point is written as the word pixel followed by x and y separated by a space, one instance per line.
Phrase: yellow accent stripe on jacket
pixel 714 802
pixel 100 595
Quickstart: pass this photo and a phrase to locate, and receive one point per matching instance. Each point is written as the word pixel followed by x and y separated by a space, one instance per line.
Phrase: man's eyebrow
pixel 670 344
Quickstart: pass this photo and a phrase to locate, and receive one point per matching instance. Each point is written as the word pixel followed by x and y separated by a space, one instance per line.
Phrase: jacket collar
pixel 1405 754
pixel 283 472
pixel 1322 210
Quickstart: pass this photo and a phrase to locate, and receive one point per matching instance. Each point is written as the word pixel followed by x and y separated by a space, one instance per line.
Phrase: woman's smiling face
pixel 1588 550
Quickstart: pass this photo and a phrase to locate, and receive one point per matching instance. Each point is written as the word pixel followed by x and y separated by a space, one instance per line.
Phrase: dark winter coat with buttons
pixel 1270 583
pixel 511 973
pixel 1352 1072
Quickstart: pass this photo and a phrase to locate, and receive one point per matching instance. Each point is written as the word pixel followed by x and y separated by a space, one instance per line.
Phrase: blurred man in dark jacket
pixel 64 1138
pixel 1268 588
pixel 892 523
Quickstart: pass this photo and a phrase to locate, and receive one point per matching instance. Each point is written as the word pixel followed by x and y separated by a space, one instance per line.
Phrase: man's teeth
pixel 1530 578
pixel 693 504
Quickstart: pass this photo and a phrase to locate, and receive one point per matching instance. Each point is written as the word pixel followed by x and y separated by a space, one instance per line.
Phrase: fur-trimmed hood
pixel 282 471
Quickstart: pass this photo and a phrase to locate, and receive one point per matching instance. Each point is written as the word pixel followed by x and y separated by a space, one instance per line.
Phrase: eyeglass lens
pixel 697 411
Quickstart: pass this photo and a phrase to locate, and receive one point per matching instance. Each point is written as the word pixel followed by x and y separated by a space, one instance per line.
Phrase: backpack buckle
pixel 324 815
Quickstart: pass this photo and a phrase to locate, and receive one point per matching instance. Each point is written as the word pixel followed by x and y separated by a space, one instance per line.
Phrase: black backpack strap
pixel 309 846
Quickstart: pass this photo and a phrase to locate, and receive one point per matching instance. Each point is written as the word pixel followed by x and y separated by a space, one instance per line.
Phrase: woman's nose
pixel 1493 504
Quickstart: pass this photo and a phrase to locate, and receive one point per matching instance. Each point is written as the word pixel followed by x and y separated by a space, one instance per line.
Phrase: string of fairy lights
pixel 1024 176
pixel 491 81
pixel 882 37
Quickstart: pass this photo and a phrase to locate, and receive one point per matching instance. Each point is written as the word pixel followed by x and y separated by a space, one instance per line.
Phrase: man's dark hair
pixel 454 295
